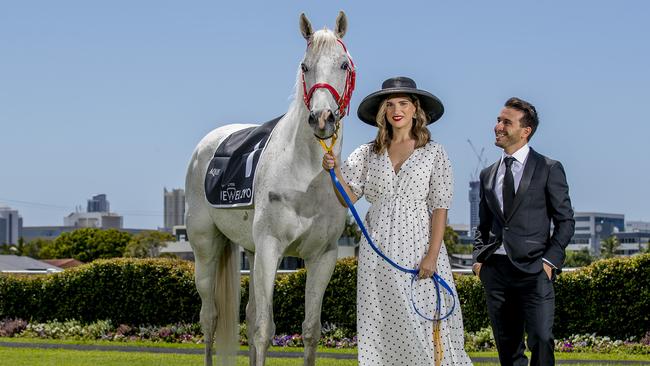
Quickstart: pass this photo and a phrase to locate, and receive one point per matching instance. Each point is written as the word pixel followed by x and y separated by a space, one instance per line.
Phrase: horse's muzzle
pixel 323 122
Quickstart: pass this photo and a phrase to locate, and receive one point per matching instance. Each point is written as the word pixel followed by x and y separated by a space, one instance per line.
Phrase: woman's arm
pixel 329 162
pixel 438 223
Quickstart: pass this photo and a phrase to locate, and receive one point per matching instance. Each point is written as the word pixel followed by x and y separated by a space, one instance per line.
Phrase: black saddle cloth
pixel 231 172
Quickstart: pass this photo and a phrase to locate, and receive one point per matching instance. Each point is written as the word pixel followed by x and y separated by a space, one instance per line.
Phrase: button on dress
pixel 390 331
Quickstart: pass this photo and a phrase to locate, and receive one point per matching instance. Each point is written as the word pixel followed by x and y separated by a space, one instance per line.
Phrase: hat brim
pixel 430 104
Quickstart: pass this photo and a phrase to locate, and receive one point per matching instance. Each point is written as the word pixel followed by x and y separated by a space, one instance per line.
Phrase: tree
pixel 15 249
pixel 351 229
pixel 609 247
pixel 579 258
pixel 30 249
pixel 34 247
pixel 88 244
pixel 147 244
pixel 6 248
pixel 451 240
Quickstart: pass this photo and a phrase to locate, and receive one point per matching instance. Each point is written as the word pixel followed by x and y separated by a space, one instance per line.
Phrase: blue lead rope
pixel 437 280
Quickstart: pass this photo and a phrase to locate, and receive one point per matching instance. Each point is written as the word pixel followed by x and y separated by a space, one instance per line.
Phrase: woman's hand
pixel 329 161
pixel 428 266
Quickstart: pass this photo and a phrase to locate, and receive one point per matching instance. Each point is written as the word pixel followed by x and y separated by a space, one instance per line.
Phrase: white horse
pixel 295 212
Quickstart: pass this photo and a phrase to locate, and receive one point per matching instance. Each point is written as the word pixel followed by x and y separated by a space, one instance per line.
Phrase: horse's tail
pixel 227 296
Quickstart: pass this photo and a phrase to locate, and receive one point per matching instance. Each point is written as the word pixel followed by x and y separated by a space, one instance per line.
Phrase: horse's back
pixel 204 152
pixel 210 142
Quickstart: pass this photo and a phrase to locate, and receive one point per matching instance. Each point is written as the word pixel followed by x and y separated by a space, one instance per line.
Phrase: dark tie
pixel 508 186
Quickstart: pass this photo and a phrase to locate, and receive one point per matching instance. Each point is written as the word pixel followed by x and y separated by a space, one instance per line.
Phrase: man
pixel 515 255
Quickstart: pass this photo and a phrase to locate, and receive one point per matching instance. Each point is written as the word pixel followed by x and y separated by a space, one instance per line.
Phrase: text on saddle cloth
pixel 231 173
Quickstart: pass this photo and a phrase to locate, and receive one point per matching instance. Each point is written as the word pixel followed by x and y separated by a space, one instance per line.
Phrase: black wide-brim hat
pixel 369 106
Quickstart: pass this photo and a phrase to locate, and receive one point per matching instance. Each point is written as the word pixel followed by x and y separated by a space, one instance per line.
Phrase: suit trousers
pixel 518 302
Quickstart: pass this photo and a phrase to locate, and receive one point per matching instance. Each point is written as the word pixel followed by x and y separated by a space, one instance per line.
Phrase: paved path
pixel 194 351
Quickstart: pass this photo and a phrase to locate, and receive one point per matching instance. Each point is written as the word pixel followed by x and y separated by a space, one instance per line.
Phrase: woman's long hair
pixel 419 130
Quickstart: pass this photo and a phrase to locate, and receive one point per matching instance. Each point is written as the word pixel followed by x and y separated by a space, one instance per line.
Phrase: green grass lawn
pixel 30 357
pixel 161 345
pixel 55 357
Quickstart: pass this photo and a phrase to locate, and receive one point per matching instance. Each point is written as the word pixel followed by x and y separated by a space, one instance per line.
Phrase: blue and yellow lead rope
pixel 437 280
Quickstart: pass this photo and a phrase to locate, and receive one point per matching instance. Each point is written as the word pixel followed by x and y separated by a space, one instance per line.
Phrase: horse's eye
pixel 345 65
pixel 304 67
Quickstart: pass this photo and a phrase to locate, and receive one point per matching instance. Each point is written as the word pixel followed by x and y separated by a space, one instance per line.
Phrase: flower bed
pixel 593 343
pixel 332 336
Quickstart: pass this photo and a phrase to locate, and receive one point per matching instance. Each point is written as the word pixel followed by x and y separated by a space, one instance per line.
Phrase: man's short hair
pixel 529 118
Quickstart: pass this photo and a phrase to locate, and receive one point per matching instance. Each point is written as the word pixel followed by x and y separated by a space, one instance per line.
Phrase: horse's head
pixel 327 76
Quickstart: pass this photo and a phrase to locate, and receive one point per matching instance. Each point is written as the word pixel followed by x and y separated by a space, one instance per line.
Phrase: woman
pixel 408 181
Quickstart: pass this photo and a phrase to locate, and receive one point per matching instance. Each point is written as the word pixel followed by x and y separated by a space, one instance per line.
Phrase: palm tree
pixel 609 247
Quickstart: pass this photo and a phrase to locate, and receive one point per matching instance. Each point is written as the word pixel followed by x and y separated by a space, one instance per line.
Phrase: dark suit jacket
pixel 542 197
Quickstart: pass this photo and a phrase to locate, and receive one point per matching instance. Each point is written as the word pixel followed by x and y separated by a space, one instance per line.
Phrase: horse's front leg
pixel 267 260
pixel 319 272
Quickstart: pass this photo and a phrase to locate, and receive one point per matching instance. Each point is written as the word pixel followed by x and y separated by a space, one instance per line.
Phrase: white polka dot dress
pixel 390 331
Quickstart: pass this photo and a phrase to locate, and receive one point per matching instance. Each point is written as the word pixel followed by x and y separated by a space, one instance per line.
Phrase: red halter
pixel 343 101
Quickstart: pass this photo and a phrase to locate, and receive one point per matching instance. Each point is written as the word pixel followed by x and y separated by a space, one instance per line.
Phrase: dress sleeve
pixel 355 169
pixel 441 183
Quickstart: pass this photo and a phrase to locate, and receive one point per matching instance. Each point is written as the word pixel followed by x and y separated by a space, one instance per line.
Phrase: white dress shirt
pixel 517 168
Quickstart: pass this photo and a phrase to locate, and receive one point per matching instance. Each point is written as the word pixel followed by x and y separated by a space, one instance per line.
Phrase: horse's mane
pixel 323 39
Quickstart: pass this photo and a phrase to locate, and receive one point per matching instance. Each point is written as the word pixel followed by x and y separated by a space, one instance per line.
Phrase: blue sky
pixel 111 97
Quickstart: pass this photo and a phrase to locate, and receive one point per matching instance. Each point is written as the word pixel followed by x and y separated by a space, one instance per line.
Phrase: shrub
pixel 19 296
pixel 472 303
pixel 608 298
pixel 129 291
pixel 339 302
pixel 289 302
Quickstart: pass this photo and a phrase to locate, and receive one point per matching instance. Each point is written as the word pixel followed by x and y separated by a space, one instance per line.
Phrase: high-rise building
pixel 594 227
pixel 174 201
pixel 11 225
pixel 474 200
pixel 98 215
pixel 98 204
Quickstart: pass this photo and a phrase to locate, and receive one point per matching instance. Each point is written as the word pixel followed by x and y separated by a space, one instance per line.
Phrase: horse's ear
pixel 305 27
pixel 341 24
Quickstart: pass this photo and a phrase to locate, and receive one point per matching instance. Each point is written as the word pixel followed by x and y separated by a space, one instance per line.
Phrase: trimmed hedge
pixel 128 291
pixel 472 303
pixel 339 301
pixel 610 297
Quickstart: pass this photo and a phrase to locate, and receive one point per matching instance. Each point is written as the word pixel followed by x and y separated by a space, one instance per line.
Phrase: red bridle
pixel 343 101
